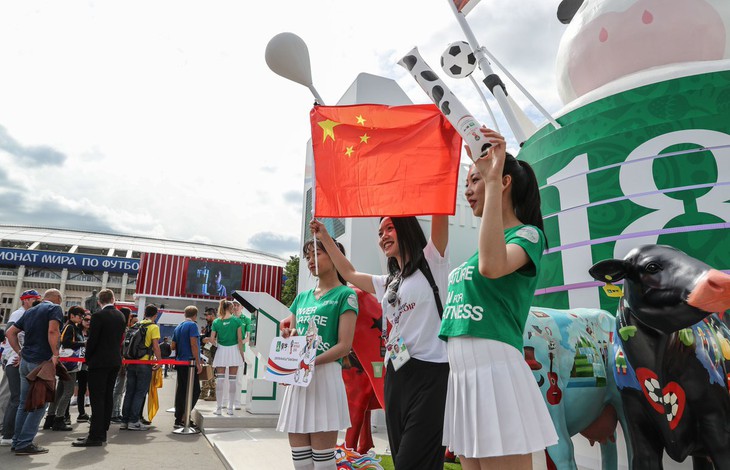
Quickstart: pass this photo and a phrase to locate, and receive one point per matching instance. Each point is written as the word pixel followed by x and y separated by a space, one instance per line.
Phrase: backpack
pixel 133 346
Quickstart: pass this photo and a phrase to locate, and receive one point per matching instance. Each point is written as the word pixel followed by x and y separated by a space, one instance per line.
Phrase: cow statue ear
pixel 567 10
pixel 608 271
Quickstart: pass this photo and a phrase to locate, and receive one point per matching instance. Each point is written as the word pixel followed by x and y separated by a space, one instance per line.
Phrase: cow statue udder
pixel 672 356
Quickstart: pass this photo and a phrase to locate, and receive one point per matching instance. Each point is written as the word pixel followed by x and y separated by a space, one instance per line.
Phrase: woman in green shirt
pixel 314 414
pixel 227 335
pixel 495 416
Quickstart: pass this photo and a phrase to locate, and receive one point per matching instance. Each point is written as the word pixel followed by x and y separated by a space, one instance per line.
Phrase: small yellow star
pixel 328 127
pixel 349 151
pixel 364 138
pixel 361 120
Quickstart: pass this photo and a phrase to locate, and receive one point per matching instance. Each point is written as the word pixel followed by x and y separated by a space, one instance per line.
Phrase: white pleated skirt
pixel 493 404
pixel 228 356
pixel 322 406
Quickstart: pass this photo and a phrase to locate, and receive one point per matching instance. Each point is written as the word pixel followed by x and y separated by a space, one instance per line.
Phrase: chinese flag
pixel 377 160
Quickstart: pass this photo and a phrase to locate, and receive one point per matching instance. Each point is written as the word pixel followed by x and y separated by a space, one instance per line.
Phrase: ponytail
pixel 525 192
pixel 224 305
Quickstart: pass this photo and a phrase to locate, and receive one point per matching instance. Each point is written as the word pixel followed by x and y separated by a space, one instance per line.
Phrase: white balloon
pixel 287 55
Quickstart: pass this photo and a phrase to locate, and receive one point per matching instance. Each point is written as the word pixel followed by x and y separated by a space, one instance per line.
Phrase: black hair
pixel 76 310
pixel 525 192
pixel 411 242
pixel 126 311
pixel 150 311
pixel 310 244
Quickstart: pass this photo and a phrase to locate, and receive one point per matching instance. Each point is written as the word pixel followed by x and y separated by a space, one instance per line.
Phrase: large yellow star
pixel 360 120
pixel 349 151
pixel 328 127
pixel 364 138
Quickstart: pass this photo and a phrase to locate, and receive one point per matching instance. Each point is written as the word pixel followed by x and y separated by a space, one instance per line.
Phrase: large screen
pixel 212 278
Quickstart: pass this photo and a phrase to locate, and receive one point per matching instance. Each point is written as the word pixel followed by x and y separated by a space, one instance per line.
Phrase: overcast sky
pixel 161 118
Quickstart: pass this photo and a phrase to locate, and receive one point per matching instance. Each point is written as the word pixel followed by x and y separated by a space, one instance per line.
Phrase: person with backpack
pixel 141 342
pixel 411 296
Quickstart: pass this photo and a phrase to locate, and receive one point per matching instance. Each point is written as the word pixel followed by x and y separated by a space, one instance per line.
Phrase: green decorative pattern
pixel 652 161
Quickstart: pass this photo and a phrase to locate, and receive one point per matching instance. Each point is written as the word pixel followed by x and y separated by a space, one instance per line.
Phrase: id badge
pixel 398 353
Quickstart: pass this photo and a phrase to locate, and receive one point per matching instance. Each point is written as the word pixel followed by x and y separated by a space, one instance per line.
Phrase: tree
pixel 291 273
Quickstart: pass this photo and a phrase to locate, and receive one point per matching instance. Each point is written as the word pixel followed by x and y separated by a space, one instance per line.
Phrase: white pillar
pixel 18 288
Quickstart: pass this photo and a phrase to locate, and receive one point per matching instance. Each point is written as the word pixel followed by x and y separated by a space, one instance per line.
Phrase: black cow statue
pixel 672 356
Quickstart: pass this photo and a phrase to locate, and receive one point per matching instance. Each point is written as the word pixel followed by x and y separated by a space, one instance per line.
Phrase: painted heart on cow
pixel 670 399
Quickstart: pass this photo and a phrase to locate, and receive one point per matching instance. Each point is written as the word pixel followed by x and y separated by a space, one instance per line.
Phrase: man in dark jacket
pixel 103 358
pixel 41 325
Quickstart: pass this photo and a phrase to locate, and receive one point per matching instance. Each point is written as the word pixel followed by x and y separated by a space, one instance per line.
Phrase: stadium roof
pixel 54 239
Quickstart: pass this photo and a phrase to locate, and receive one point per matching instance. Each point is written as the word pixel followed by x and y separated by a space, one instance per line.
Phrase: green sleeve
pixel 293 308
pixel 532 240
pixel 348 301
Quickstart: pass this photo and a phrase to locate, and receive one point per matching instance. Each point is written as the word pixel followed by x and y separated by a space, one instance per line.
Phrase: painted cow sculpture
pixel 569 352
pixel 674 368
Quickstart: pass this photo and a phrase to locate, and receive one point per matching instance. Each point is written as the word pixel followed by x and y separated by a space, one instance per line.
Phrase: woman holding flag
pixel 495 415
pixel 314 414
pixel 417 363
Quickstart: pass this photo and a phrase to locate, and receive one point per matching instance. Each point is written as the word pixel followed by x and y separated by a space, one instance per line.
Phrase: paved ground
pixel 156 448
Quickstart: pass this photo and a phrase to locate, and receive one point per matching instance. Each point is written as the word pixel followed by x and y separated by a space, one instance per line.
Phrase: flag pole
pixel 492 80
pixel 484 99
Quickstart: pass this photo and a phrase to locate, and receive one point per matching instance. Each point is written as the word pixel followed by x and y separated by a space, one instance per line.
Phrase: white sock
pixel 324 459
pixel 219 381
pixel 232 386
pixel 302 458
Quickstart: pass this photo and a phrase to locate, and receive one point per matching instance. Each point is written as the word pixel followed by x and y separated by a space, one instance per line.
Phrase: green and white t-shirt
pixel 226 330
pixel 494 309
pixel 325 312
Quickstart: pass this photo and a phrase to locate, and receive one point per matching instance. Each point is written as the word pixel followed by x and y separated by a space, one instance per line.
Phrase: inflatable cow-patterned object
pixel 610 39
pixel 569 352
pixel 674 372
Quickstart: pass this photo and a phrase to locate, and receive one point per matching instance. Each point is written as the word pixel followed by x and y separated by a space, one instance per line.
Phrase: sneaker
pixel 218 411
pixel 124 426
pixel 84 418
pixel 237 407
pixel 6 442
pixel 178 425
pixel 138 426
pixel 209 398
pixel 74 401
pixel 116 419
pixel 230 412
pixel 86 401
pixel 145 422
pixel 31 449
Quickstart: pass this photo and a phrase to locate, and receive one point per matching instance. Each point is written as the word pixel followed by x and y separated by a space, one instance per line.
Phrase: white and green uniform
pixel 228 354
pixel 494 308
pixel 493 403
pixel 321 406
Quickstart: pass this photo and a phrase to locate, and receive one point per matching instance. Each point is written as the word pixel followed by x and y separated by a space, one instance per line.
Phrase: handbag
pixel 73 353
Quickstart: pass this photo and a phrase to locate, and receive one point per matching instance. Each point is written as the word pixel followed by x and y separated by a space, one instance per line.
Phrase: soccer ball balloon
pixel 458 60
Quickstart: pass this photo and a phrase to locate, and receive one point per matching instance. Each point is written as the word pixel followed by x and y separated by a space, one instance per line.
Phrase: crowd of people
pixel 42 343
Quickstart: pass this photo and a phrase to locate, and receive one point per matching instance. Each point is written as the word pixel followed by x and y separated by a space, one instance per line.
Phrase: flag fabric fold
pixel 378 160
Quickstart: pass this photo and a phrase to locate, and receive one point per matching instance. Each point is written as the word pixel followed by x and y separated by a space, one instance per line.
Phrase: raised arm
pixel 440 232
pixel 363 281
pixel 496 258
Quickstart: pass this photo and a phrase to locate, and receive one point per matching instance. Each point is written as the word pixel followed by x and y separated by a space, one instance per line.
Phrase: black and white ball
pixel 458 60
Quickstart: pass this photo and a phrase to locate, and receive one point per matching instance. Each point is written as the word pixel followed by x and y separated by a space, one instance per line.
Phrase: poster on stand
pixel 291 360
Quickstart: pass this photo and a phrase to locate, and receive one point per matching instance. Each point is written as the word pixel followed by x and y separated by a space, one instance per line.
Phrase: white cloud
pixel 173 125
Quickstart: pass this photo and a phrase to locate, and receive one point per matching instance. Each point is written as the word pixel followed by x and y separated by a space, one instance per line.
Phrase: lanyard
pixel 392 298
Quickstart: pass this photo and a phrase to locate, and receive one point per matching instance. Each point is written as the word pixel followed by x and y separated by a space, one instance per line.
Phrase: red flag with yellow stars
pixel 377 160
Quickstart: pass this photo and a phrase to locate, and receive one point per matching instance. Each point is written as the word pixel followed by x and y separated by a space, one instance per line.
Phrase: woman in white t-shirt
pixel 417 362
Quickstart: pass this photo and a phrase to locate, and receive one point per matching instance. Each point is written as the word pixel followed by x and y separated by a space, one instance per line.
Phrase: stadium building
pixel 140 270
